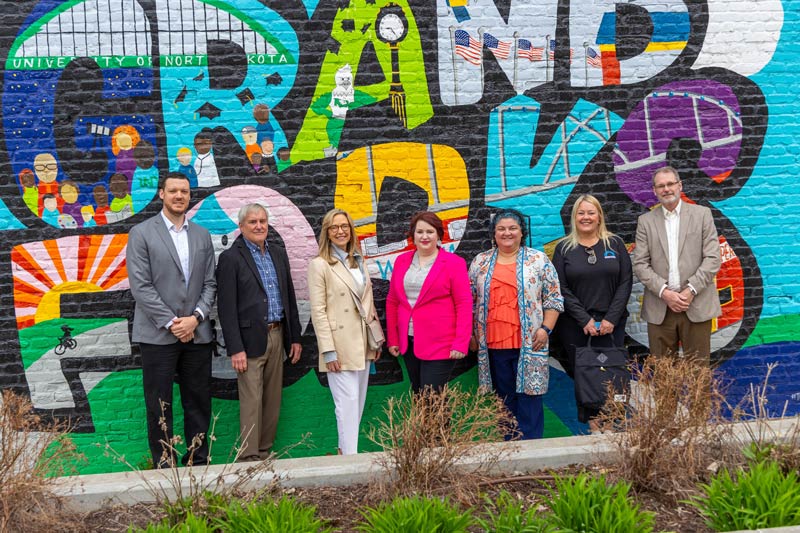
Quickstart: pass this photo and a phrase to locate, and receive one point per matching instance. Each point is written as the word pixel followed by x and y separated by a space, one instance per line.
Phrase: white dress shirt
pixel 672 223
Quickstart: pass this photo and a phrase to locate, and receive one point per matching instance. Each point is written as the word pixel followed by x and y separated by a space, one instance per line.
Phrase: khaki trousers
pixel 694 337
pixel 260 388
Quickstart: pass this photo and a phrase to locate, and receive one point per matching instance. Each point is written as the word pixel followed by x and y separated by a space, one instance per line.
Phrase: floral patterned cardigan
pixel 538 281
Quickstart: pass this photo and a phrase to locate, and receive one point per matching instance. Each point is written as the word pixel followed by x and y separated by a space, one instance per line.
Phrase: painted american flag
pixel 467 47
pixel 526 50
pixel 500 49
pixel 593 58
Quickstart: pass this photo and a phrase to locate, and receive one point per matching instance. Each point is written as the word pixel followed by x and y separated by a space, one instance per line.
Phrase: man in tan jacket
pixel 676 258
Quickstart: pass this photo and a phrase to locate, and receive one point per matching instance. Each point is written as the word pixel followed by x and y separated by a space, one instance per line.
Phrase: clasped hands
pixel 454 354
pixel 183 327
pixel 678 302
pixel 592 330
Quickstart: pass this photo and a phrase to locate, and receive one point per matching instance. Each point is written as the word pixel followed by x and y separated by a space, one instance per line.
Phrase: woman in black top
pixel 594 270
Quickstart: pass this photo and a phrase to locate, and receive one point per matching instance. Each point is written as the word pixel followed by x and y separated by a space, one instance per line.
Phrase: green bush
pixel 761 497
pixel 585 503
pixel 282 516
pixel 190 524
pixel 505 515
pixel 415 514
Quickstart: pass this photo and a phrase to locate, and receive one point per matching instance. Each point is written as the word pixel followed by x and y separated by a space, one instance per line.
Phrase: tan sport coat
pixel 698 261
pixel 336 320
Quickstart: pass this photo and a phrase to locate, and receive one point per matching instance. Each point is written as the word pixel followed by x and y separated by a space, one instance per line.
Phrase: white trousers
pixel 349 390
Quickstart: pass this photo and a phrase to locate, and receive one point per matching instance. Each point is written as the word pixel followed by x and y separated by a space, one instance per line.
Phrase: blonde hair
pixel 571 240
pixel 325 244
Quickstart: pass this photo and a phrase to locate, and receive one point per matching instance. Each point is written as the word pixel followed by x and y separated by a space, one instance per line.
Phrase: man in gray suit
pixel 676 258
pixel 170 264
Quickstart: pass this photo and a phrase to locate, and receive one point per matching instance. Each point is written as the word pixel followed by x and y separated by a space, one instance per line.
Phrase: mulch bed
pixel 339 505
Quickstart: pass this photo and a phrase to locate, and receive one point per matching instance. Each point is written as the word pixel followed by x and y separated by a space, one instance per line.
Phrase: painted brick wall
pixel 381 108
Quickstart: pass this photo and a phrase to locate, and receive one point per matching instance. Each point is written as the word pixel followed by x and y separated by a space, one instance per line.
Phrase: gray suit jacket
pixel 698 261
pixel 158 284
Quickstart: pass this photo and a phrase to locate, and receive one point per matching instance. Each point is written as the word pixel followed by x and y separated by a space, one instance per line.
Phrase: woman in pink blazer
pixel 429 306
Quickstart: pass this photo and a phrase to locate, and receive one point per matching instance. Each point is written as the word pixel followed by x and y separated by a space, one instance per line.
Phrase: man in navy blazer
pixel 260 324
pixel 170 263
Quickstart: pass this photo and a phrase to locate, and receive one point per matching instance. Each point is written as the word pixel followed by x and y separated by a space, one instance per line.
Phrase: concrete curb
pixel 91 492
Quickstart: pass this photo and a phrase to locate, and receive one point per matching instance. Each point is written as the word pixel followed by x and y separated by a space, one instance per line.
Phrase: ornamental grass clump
pixel 427 437
pixel 585 503
pixel 762 496
pixel 285 515
pixel 506 514
pixel 415 514
pixel 671 430
pixel 32 453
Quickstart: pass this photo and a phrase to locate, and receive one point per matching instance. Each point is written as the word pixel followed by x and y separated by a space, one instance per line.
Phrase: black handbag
pixel 595 367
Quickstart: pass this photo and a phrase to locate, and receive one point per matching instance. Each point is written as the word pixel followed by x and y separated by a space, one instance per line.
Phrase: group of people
pixel 505 306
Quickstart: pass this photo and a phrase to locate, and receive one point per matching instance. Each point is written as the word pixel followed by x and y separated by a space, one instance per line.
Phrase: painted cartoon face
pixel 27 179
pixel 87 213
pixel 508 235
pixel 100 196
pixel 118 185
pixel 344 77
pixel 425 237
pixel 50 203
pixel 339 231
pixel 668 189
pixel 202 145
pixel 261 113
pixel 587 219
pixel 45 167
pixel 249 135
pixel 124 141
pixel 69 192
pixel 184 158
pixel 267 147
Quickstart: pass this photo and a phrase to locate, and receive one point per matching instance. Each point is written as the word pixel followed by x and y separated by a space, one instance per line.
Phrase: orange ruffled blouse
pixel 502 323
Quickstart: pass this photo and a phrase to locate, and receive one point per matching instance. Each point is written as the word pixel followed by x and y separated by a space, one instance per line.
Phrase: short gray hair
pixel 249 208
pixel 669 169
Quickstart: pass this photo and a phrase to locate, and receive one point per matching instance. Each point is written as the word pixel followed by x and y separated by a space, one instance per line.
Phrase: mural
pixel 383 108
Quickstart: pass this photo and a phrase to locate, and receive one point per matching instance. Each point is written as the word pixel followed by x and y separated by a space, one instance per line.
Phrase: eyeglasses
pixel 667 185
pixel 344 228
pixel 48 166
pixel 592 259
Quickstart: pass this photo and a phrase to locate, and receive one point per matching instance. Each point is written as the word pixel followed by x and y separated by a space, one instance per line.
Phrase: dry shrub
pixel 669 434
pixel 32 453
pixel 197 489
pixel 427 436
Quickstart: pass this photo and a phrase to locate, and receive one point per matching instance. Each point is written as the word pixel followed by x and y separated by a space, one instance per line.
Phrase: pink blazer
pixel 443 312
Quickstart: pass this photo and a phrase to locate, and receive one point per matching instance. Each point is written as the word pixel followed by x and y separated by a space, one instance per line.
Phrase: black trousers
pixel 189 365
pixel 423 373
pixel 571 335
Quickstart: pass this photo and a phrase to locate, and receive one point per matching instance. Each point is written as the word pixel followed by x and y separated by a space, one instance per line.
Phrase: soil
pixel 339 505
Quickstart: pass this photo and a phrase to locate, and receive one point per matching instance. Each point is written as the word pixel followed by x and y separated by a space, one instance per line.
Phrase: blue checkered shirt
pixel 269 279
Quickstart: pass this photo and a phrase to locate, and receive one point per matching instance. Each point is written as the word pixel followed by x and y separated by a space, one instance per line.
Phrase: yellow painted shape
pixel 651 47
pixel 50 305
pixel 407 161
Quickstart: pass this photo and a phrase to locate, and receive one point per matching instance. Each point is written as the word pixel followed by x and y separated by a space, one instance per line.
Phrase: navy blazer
pixel 242 300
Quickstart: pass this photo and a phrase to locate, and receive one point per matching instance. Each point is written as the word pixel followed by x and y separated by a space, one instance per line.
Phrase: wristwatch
pixel 198 315
pixel 546 329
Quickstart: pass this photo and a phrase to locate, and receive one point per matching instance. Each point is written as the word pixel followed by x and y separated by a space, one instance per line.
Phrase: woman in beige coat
pixel 336 278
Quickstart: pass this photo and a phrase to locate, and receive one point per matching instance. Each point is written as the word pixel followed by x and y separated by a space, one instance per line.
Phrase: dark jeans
pixel 424 373
pixel 190 365
pixel 527 409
